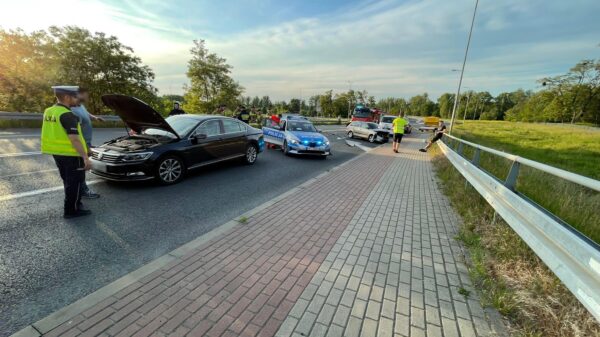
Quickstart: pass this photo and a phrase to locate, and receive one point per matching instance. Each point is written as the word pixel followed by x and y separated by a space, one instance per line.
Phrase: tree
pixel 446 103
pixel 577 90
pixel 295 105
pixel 421 105
pixel 102 64
pixel 210 82
pixel 326 102
pixel 30 64
pixel 28 67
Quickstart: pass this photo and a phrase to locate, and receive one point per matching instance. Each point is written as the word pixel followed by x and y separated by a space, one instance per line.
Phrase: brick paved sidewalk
pixel 366 250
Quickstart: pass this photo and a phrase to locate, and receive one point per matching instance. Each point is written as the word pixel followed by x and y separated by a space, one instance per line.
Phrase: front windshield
pixel 362 112
pixel 181 125
pixel 300 126
pixel 371 126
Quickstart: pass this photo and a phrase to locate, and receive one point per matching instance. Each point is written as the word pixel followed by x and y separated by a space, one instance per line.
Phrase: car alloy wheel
pixel 350 134
pixel 251 154
pixel 170 170
pixel 286 148
pixel 371 138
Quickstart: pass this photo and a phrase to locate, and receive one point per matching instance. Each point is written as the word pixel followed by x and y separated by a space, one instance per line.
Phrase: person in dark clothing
pixel 177 110
pixel 243 114
pixel 439 133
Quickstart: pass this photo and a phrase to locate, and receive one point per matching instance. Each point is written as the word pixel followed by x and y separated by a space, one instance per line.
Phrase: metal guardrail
pixel 38 116
pixel 573 258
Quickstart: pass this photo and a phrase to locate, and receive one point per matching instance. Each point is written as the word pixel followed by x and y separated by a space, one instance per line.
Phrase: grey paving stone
pixel 335 331
pixel 306 323
pixel 353 327
pixel 373 310
pixel 369 328
pixel 396 269
pixel 287 327
pixel 359 308
pixel 341 315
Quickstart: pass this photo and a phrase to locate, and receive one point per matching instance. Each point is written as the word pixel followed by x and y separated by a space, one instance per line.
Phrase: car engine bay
pixel 132 143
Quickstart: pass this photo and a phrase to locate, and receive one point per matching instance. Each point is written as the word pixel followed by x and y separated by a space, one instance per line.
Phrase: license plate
pixel 100 167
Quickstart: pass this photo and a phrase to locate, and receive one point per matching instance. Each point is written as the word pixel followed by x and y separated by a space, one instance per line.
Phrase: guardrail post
pixel 460 148
pixel 476 157
pixel 513 174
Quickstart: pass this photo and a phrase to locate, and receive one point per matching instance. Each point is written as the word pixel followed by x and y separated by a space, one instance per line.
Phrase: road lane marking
pixel 356 144
pixel 26 173
pixel 19 154
pixel 19 136
pixel 40 191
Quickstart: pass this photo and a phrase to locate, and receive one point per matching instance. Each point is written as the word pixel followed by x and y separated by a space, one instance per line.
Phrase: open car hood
pixel 136 114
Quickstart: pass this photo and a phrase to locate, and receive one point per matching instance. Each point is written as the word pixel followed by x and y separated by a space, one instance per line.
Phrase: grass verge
pixel 509 275
pixel 570 147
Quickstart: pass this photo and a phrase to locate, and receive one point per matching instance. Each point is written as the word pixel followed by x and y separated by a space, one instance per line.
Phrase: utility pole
pixel 349 101
pixel 463 67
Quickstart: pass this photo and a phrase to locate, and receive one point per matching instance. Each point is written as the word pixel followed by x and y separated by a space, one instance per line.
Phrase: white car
pixel 386 123
pixel 368 131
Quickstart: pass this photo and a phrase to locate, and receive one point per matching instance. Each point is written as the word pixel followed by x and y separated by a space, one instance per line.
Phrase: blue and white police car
pixel 296 136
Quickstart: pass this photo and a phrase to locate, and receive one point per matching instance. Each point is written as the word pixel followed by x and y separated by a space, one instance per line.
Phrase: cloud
pixel 394 48
pixel 388 47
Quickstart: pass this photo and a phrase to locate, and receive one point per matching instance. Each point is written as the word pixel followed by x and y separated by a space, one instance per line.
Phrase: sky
pixel 298 48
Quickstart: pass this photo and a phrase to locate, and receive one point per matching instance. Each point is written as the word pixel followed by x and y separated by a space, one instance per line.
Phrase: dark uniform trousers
pixel 72 173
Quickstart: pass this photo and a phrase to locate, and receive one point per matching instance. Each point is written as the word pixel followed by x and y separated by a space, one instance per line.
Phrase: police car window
pixel 232 126
pixel 209 128
pixel 300 126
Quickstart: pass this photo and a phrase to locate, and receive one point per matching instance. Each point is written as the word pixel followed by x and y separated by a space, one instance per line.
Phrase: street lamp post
pixel 463 67
pixel 349 100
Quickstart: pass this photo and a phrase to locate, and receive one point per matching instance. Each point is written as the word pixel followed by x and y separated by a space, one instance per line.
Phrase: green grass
pixel 570 147
pixel 573 148
pixel 507 273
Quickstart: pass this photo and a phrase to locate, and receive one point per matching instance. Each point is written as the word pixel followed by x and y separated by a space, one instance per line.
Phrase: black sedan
pixel 165 149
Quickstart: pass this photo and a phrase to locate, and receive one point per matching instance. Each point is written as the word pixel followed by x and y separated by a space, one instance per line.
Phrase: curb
pixel 63 315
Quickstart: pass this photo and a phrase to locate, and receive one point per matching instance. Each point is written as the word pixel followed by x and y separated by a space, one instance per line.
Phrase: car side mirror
pixel 199 136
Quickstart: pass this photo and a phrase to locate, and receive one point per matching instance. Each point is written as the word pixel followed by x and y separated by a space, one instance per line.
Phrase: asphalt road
pixel 47 262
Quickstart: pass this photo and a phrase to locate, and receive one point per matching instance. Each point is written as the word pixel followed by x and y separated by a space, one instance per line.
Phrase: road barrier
pixel 572 257
pixel 38 116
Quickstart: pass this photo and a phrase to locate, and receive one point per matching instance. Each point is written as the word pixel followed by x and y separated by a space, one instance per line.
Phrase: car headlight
pixel 136 156
pixel 326 143
pixel 292 141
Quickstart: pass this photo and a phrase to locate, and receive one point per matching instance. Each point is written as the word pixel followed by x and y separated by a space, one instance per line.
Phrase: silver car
pixel 368 131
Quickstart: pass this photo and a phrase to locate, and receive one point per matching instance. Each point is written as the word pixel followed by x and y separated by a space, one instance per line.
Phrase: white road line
pixel 19 154
pixel 19 136
pixel 40 191
pixel 356 144
pixel 26 173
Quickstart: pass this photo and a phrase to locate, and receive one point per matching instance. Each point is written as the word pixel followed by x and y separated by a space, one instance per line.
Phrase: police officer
pixel 177 110
pixel 243 114
pixel 62 138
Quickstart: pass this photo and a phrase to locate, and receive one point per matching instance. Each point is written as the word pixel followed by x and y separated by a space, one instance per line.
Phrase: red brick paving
pixel 244 282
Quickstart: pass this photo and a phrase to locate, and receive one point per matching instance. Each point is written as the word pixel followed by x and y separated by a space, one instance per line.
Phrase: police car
pixel 296 136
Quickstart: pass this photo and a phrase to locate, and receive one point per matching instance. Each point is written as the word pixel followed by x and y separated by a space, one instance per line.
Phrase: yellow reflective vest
pixel 54 137
pixel 399 124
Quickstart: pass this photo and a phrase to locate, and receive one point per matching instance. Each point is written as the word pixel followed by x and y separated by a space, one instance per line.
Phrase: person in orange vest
pixel 63 139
